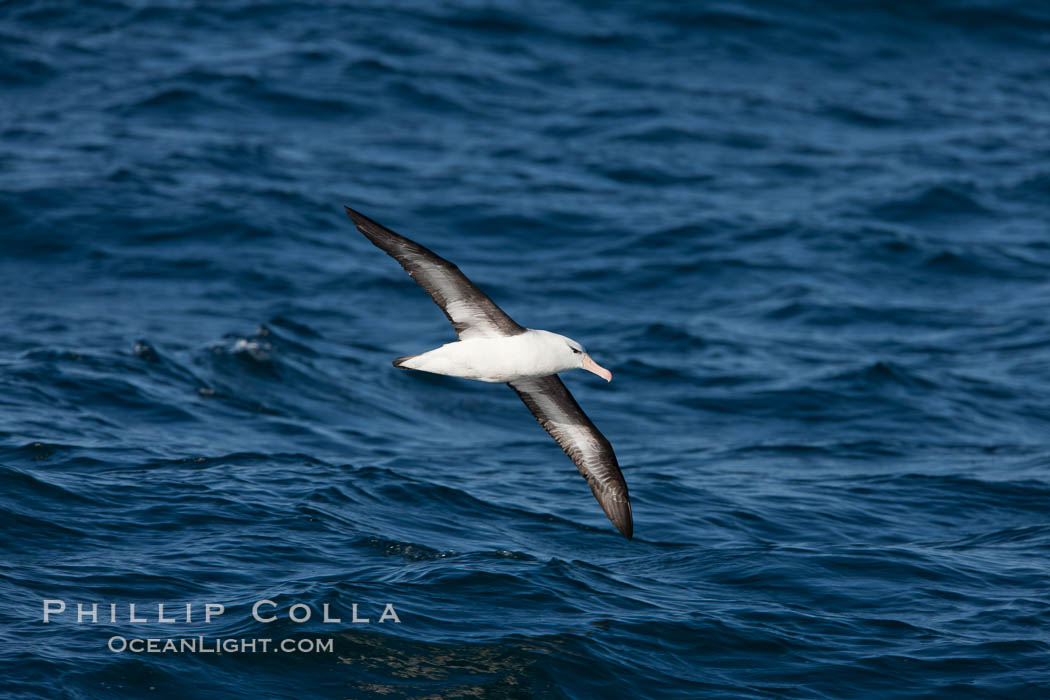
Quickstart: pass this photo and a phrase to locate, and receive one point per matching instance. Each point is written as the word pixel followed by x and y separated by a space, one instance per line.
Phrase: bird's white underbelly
pixel 501 359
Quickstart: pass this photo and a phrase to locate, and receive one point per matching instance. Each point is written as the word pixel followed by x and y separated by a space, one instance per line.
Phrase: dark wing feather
pixel 557 411
pixel 471 312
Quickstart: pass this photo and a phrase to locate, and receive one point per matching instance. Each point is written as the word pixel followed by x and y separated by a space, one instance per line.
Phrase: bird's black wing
pixel 471 312
pixel 557 411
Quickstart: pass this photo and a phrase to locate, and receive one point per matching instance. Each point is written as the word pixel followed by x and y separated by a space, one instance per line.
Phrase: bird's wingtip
pixel 619 514
pixel 362 222
pixel 627 530
pixel 366 225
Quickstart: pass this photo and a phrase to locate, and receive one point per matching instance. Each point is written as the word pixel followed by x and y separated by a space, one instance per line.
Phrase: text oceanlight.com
pixel 203 645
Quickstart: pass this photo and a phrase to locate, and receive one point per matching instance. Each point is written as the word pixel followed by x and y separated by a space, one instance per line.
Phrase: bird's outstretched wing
pixel 557 411
pixel 471 312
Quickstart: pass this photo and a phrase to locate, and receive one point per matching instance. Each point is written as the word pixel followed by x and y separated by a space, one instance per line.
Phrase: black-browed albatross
pixel 493 348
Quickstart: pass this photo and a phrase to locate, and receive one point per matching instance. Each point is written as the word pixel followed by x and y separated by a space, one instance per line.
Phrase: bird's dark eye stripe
pixel 575 350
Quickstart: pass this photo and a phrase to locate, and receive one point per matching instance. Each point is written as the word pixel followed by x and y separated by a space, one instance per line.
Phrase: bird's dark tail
pixel 400 362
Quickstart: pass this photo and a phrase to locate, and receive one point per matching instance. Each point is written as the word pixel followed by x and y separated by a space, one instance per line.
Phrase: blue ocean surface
pixel 810 239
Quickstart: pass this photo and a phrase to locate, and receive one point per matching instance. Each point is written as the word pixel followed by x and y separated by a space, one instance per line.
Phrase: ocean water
pixel 810 239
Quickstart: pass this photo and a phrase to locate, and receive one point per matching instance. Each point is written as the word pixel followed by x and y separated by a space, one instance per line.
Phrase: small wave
pixel 661 134
pixel 930 203
pixel 1034 188
pixel 819 313
pixel 727 18
pixel 296 327
pixel 36 489
pixel 960 263
pixel 881 374
pixel 166 101
pixel 230 228
pixel 426 98
pixel 1021 17
pixel 143 350
pixel 653 174
pixel 489 20
pixel 1025 537
pixel 400 667
pixel 858 450
pixel 372 64
pixel 954 490
pixel 296 103
pixel 856 115
pixel 23 70
pixel 404 550
pixel 264 354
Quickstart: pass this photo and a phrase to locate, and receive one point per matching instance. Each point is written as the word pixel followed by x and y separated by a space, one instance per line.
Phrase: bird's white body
pixel 501 358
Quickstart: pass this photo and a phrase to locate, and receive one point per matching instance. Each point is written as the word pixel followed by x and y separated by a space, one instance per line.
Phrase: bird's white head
pixel 571 355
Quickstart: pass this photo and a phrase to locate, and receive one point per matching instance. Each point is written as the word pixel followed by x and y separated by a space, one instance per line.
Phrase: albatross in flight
pixel 493 348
